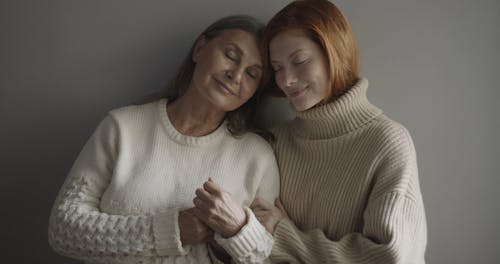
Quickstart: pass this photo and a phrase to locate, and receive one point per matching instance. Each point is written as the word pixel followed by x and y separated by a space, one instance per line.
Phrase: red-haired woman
pixel 349 182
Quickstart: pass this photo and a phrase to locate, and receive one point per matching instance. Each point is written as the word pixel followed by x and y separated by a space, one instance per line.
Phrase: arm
pixel 77 227
pixel 393 231
pixel 253 244
pixel 250 243
pixel 393 228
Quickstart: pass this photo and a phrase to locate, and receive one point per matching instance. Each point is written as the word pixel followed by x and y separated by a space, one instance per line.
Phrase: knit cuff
pixel 167 234
pixel 252 244
pixel 284 231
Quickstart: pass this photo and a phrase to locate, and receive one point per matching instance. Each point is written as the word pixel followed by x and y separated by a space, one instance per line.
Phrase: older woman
pixel 349 182
pixel 129 196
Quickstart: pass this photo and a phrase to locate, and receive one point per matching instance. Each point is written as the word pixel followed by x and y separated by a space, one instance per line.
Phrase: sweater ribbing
pixel 120 201
pixel 349 182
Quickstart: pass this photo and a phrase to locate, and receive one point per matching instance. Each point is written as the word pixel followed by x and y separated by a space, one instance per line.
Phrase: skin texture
pixel 192 229
pixel 301 72
pixel 228 69
pixel 269 215
pixel 218 210
pixel 227 72
pixel 300 68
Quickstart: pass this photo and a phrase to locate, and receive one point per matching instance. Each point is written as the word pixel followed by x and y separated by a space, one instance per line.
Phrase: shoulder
pixel 393 145
pixel 125 120
pixel 254 143
pixel 131 112
pixel 388 132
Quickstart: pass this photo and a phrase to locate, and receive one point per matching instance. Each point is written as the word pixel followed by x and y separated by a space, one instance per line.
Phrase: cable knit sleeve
pixel 77 227
pixel 394 228
pixel 253 243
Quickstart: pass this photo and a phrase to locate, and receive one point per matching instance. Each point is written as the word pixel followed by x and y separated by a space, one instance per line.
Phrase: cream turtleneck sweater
pixel 349 183
pixel 120 201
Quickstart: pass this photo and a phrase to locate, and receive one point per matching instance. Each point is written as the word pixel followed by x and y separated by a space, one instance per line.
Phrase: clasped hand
pixel 269 215
pixel 214 211
pixel 216 208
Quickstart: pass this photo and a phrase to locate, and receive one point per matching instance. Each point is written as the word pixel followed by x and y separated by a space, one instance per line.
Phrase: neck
pixel 193 115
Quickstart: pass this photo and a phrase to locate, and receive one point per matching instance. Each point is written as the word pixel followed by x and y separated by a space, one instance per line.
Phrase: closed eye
pixel 299 62
pixel 254 74
pixel 232 55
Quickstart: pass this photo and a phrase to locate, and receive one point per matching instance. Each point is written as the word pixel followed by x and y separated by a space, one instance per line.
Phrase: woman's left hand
pixel 216 208
pixel 269 215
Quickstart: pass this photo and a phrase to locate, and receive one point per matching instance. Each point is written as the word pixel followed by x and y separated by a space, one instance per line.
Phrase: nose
pixel 285 78
pixel 235 75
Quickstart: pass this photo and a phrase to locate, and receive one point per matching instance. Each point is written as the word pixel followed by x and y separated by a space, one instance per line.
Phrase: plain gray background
pixel 434 66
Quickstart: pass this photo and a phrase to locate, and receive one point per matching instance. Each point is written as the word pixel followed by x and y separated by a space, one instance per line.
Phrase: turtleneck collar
pixel 349 112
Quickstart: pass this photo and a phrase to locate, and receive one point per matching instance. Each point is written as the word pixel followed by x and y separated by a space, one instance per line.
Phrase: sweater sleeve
pixel 393 231
pixel 77 227
pixel 253 243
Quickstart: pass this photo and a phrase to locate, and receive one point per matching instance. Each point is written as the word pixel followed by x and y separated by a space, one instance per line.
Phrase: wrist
pixel 243 220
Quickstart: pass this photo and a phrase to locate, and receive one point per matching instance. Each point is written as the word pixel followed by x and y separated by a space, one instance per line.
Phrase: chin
pixel 300 107
pixel 222 103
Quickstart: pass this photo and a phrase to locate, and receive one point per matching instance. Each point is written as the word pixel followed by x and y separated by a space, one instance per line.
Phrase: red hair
pixel 323 22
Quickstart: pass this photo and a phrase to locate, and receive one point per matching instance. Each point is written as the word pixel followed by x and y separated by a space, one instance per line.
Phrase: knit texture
pixel 121 199
pixel 349 183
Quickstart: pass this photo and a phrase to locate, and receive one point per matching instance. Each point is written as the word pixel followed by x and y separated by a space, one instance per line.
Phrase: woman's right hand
pixel 269 215
pixel 192 229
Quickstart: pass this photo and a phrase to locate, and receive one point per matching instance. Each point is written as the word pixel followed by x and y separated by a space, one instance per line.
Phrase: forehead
pixel 288 41
pixel 243 40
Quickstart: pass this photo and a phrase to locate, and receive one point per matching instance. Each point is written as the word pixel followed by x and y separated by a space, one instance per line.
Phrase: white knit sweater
pixel 120 201
pixel 349 182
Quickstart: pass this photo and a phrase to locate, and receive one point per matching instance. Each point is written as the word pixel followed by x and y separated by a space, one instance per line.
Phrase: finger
pixel 212 188
pixel 200 204
pixel 260 213
pixel 203 195
pixel 187 211
pixel 261 203
pixel 278 204
pixel 200 215
pixel 261 219
pixel 254 204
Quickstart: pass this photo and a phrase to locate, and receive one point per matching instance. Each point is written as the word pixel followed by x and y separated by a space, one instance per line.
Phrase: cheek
pixel 249 90
pixel 278 78
pixel 318 76
pixel 213 62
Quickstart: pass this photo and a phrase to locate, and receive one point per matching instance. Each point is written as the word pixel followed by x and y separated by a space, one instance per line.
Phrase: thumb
pixel 280 206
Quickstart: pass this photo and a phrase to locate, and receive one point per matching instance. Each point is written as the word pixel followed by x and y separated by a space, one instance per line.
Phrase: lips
pixel 225 87
pixel 296 92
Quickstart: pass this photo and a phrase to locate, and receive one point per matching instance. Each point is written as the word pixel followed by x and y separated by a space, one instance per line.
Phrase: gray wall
pixel 433 66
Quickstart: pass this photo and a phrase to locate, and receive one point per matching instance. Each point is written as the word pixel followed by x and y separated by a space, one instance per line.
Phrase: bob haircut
pixel 242 119
pixel 323 22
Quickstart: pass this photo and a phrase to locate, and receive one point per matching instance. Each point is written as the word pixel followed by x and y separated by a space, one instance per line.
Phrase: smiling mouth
pixel 296 93
pixel 224 87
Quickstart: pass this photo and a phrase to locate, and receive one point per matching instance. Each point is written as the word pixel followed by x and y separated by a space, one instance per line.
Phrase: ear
pixel 198 46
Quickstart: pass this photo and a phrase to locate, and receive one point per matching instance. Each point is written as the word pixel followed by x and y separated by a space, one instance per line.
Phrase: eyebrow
pixel 291 55
pixel 242 53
